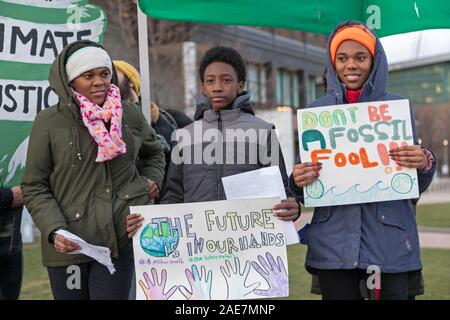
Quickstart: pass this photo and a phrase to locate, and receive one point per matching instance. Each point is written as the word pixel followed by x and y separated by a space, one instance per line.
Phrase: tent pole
pixel 144 63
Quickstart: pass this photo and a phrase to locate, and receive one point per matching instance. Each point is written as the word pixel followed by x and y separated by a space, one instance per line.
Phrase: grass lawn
pixel 35 284
pixel 435 261
pixel 436 267
pixel 434 215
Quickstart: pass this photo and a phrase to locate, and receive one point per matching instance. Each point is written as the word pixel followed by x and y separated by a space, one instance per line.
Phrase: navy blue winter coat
pixel 358 235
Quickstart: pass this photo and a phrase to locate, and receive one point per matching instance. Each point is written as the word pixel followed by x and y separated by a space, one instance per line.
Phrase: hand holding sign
pixel 305 173
pixel 287 210
pixel 134 222
pixel 411 157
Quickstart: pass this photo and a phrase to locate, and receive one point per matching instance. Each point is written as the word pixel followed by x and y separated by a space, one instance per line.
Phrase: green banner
pixel 32 33
pixel 385 17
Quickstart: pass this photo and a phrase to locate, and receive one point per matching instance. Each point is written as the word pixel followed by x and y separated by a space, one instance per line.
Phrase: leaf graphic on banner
pixel 18 159
pixel 43 29
pixel 1 161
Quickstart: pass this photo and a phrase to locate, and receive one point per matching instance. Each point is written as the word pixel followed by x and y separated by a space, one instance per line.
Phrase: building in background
pixel 284 67
pixel 426 83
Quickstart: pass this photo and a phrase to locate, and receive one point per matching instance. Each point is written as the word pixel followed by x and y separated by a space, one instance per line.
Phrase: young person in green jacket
pixel 90 157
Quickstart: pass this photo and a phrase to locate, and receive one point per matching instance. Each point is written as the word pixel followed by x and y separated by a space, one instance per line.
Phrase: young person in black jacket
pixel 11 261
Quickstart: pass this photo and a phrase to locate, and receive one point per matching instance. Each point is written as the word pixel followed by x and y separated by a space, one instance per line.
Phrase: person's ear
pixel 241 86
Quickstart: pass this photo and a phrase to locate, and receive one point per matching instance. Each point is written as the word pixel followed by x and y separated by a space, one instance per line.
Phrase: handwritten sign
pixel 210 250
pixel 352 141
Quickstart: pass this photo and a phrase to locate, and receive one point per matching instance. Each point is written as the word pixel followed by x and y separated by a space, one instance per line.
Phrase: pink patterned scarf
pixel 110 144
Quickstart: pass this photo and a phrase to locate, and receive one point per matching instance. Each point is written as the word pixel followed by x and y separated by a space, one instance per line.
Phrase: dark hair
pixel 124 86
pixel 225 55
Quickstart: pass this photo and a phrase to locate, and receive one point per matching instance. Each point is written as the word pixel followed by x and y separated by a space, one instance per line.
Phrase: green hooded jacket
pixel 63 186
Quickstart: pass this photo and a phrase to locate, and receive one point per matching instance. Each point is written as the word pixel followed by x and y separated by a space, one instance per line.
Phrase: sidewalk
pixel 434 237
pixel 435 197
pixel 428 237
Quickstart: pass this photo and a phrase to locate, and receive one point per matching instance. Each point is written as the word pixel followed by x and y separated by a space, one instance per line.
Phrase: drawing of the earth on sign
pixel 315 189
pixel 159 240
pixel 402 183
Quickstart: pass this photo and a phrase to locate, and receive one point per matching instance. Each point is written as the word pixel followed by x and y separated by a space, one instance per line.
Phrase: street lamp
pixel 445 162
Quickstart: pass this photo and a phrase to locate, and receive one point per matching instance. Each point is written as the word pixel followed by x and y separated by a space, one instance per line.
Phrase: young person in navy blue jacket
pixel 343 241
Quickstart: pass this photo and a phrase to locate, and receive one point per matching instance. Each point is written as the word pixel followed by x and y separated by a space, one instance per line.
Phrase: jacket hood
pixel 375 86
pixel 242 101
pixel 58 76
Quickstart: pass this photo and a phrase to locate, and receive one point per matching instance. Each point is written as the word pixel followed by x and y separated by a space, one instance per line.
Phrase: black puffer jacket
pixel 10 219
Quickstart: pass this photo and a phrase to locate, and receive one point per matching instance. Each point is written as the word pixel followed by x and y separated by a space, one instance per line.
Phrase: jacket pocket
pixel 62 146
pixel 391 215
pixel 135 189
pixel 321 215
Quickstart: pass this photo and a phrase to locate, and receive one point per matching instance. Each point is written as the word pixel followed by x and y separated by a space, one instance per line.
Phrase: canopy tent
pixel 385 17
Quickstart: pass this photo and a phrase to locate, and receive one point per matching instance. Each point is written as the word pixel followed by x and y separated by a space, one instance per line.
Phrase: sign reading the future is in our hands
pixel 233 249
pixel 352 141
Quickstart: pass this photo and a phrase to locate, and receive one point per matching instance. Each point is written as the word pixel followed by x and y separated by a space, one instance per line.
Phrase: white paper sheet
pixel 265 182
pixel 99 253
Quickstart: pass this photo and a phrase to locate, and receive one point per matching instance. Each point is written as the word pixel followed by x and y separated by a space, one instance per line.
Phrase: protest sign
pixel 210 250
pixel 352 141
pixel 32 33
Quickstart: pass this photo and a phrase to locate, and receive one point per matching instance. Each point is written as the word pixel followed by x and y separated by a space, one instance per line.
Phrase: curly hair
pixel 225 55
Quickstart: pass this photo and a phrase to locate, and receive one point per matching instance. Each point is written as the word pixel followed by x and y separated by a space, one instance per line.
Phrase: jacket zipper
pixel 219 166
pixel 75 135
pixel 344 91
pixel 77 144
pixel 364 87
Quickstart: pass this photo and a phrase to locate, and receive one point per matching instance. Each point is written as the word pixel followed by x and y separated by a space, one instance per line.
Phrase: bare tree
pixel 433 124
pixel 165 40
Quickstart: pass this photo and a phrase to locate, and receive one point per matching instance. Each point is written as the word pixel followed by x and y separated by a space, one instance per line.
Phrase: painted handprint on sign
pixel 200 284
pixel 235 279
pixel 275 273
pixel 154 290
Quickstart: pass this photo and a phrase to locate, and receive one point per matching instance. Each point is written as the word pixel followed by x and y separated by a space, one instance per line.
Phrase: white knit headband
pixel 85 59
